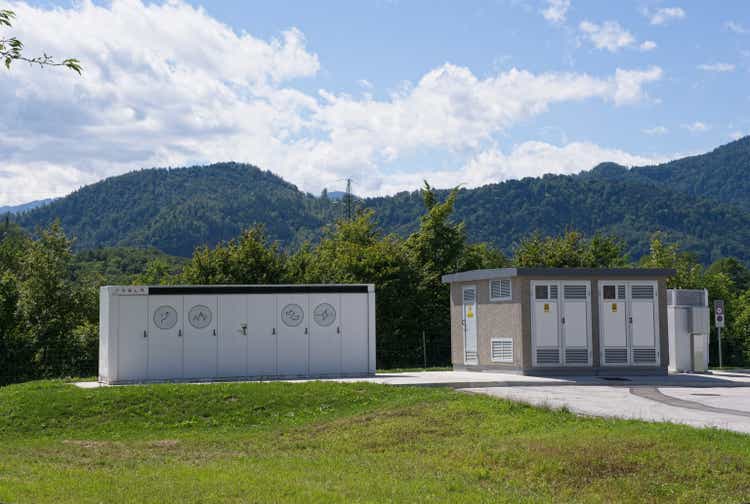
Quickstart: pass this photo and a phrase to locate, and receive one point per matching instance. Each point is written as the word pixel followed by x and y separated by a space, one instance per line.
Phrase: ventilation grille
pixel 615 356
pixel 620 292
pixel 502 349
pixel 642 292
pixel 500 289
pixel 647 355
pixel 471 357
pixel 553 291
pixel 575 291
pixel 576 356
pixel 469 296
pixel 686 297
pixel 547 356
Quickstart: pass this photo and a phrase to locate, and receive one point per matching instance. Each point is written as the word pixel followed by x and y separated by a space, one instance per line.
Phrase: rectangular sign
pixel 719 313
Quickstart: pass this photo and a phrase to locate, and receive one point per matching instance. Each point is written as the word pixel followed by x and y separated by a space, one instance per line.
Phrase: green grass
pixel 412 370
pixel 328 442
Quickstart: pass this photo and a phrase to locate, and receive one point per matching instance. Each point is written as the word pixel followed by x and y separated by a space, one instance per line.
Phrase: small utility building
pixel 560 320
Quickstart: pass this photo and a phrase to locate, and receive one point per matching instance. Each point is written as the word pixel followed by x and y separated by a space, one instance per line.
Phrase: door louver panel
pixel 615 355
pixel 645 355
pixel 620 292
pixel 469 296
pixel 547 356
pixel 502 350
pixel 576 356
pixel 553 291
pixel 574 291
pixel 642 292
pixel 471 356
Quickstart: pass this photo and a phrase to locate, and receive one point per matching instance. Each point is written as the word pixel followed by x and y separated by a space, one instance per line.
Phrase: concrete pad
pixel 715 397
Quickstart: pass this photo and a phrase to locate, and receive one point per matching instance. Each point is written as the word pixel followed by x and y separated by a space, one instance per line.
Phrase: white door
pixel 201 336
pixel 232 342
pixel 469 321
pixel 576 323
pixel 545 332
pixel 355 353
pixel 325 334
pixel 613 323
pixel 292 325
pixel 132 340
pixel 165 337
pixel 261 334
pixel 643 323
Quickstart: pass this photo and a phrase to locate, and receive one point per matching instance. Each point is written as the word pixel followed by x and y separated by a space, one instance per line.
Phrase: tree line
pixel 49 295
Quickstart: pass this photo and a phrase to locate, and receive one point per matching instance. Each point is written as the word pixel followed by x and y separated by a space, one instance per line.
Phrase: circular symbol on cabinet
pixel 324 314
pixel 292 315
pixel 199 316
pixel 165 317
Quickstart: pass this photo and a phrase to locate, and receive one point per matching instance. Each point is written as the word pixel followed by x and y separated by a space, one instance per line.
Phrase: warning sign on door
pixel 546 307
pixel 614 307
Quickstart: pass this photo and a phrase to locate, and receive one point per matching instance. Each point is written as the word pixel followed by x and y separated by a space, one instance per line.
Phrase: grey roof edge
pixel 487 274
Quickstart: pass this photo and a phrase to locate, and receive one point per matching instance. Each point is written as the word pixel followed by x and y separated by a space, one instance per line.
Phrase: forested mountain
pixel 701 201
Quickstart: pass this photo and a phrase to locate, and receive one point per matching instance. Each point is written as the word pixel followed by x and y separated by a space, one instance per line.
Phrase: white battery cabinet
pixel 225 332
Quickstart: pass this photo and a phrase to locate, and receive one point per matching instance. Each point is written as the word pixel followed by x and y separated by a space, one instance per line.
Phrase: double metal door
pixel 629 323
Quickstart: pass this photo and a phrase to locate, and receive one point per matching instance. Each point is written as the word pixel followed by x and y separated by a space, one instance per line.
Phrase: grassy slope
pixel 343 443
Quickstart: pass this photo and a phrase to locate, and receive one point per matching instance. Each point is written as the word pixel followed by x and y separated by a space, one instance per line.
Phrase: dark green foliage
pixel 570 251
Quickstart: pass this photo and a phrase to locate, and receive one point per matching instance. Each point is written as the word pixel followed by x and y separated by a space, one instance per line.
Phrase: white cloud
pixel 194 91
pixel 647 45
pixel 717 67
pixel 736 135
pixel 608 35
pixel 364 83
pixel 666 14
pixel 736 27
pixel 556 11
pixel 697 127
pixel 656 130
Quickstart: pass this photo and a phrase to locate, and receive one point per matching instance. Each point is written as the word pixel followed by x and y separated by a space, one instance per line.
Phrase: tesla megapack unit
pixel 217 332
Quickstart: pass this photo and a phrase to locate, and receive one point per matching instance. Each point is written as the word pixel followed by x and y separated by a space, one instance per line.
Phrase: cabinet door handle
pixel 338 330
pixel 243 328
pixel 563 320
pixel 214 331
pixel 630 320
pixel 179 333
pixel 273 331
pixel 145 334
pixel 305 330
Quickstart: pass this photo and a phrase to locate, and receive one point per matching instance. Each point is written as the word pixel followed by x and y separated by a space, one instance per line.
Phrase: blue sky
pixel 388 92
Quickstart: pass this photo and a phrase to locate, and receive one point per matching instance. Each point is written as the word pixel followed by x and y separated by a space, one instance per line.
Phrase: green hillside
pixel 701 201
pixel 344 442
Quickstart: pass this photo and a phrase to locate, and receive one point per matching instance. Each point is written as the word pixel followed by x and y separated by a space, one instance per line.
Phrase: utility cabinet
pixel 166 333
pixel 688 328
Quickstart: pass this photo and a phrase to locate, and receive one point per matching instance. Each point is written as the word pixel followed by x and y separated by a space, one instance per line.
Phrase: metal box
pixel 168 333
pixel 688 329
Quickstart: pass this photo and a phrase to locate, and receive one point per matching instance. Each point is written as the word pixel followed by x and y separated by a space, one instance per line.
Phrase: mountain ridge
pixel 699 200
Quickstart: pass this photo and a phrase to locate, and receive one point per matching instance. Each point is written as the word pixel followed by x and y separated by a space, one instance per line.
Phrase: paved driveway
pixel 723 401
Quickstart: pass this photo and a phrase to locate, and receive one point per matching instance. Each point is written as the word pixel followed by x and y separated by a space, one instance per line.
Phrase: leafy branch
pixel 11 49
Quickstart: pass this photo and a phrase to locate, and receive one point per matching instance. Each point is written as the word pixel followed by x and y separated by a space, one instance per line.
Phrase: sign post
pixel 719 323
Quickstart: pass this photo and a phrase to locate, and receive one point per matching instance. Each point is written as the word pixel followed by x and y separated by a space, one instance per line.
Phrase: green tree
pixel 250 259
pixel 11 49
pixel 570 250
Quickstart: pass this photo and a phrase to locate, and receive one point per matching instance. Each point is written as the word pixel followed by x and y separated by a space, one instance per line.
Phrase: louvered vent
pixel 620 292
pixel 642 292
pixel 553 291
pixel 471 356
pixel 574 291
pixel 576 356
pixel 469 296
pixel 502 349
pixel 547 356
pixel 686 297
pixel 645 355
pixel 615 356
pixel 500 289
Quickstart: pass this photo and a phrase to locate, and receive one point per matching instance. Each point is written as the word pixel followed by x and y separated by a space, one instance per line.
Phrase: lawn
pixel 328 442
